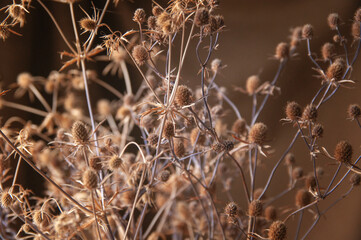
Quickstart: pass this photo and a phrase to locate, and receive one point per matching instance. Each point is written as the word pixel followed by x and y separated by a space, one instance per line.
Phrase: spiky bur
pixel 164 175
pixel 140 55
pixel 258 133
pixel 317 131
pixel 233 212
pixel 328 51
pixel 196 133
pixel 168 131
pixel 153 140
pixel 307 31
pixel 336 70
pixel 355 30
pixel 255 208
pixel 179 148
pixel 88 24
pixel 270 213
pixel 156 11
pixel 303 198
pixel 6 199
pixel 290 159
pixel 80 132
pixel 293 111
pixel 297 173
pixel 354 111
pixel 333 21
pixel 95 163
pixel 183 96
pixel 239 126
pixel 343 152
pixel 90 179
pixel 310 113
pixel 252 84
pixel 115 163
pixel 310 182
pixel 282 51
pixel 277 231
pixel 202 17
pixel 139 16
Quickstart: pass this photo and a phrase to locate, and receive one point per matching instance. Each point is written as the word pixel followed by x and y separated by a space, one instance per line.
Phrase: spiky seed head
pixel 239 126
pixel 257 193
pixel 354 111
pixel 336 70
pixel 258 133
pixel 88 24
pixel 310 182
pixel 179 148
pixel 202 17
pixel 153 140
pixel 355 30
pixel 6 199
pixel 297 173
pixel 282 51
pixel 163 19
pixel 293 111
pixel 333 21
pixel 296 36
pixel 140 54
pixel 216 24
pixel 310 113
pixel 328 51
pixel 218 147
pixel 95 163
pixel 183 96
pixel 355 179
pixel 357 16
pixel 303 198
pixel 152 22
pixel 80 132
pixel 4 32
pixel 336 38
pixel 307 31
pixel 24 80
pixel 343 152
pixel 168 130
pixel 115 162
pixel 90 179
pixel 255 208
pixel 156 11
pixel 164 175
pixel 17 13
pixel 317 131
pixel 216 64
pixel 252 84
pixel 122 112
pixel 193 136
pixel 270 213
pixel 139 16
pixel 104 108
pixel 277 231
pixel 290 159
pixel 232 209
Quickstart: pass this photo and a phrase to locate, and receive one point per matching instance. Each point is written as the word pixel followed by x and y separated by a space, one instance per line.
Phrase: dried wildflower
pixel 307 31
pixel 140 54
pixel 6 199
pixel 164 175
pixel 183 96
pixel 17 13
pixel 297 173
pixel 196 133
pixel 239 126
pixel 168 130
pixel 357 16
pixel 296 37
pixel 164 19
pixel 216 24
pixel 153 140
pixel 95 163
pixel 257 193
pixel 354 111
pixel 152 22
pixel 310 113
pixel 317 131
pixel 333 21
pixel 104 108
pixel 255 208
pixel 290 159
pixel 282 51
pixel 179 148
pixel 303 198
pixel 139 16
pixel 336 38
pixel 41 219
pixel 355 179
pixel 115 162
pixel 90 179
pixel 24 80
pixel 232 209
pixel 257 134
pixel 277 231
pixel 343 152
pixel 80 132
pixel 88 24
pixel 252 84
pixel 202 17
pixel 216 65
pixel 336 70
pixel 270 213
pixel 310 182
pixel 293 111
pixel 156 11
pixel 218 147
pixel 4 31
pixel 328 51
pixel 355 30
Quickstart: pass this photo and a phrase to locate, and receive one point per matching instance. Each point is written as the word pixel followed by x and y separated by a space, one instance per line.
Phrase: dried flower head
pixel 183 96
pixel 290 159
pixel 303 198
pixel 296 36
pixel 95 163
pixel 24 80
pixel 297 173
pixel 232 209
pixel 252 84
pixel 90 179
pixel 153 139
pixel 17 13
pixel 270 213
pixel 307 31
pixel 80 132
pixel 355 179
pixel 156 11
pixel 168 130
pixel 328 51
pixel 343 152
pixel 357 16
pixel 293 111
pixel 258 133
pixel 282 51
pixel 277 231
pixel 88 24
pixel 179 148
pixel 140 54
pixel 333 21
pixel 354 111
pixel 336 70
pixel 255 208
pixel 115 162
pixel 239 126
pixel 310 113
pixel 6 199
pixel 104 108
pixel 139 16
pixel 317 131
pixel 164 175
pixel 202 17
pixel 355 30
pixel 196 133
pixel 152 22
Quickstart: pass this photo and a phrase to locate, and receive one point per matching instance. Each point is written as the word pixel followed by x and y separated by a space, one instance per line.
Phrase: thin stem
pixel 24 108
pixel 40 97
pixel 299 225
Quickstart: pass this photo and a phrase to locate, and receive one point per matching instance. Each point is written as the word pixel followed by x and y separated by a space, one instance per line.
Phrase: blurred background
pixel 253 30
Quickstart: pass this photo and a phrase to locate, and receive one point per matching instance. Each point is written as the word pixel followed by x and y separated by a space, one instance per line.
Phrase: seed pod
pixel 257 134
pixel 354 111
pixel 355 30
pixel 232 209
pixel 202 17
pixel 168 130
pixel 310 182
pixel 328 51
pixel 152 22
pixel 355 179
pixel 95 163
pixel 333 21
pixel 297 173
pixel 90 179
pixel 270 213
pixel 257 193
pixel 139 16
pixel 357 16
pixel 317 131
pixel 218 147
pixel 303 198
pixel 310 113
pixel 4 32
pixel 252 84
pixel 153 140
pixel 164 175
pixel 343 152
pixel 183 96
pixel 140 54
pixel 239 126
pixel 293 111
pixel 6 199
pixel 255 208
pixel 307 31
pixel 88 24
pixel 80 132
pixel 216 64
pixel 336 70
pixel 179 148
pixel 228 145
pixel 282 51
pixel 156 11
pixel 115 162
pixel 290 159
pixel 336 38
pixel 193 137
pixel 296 36
pixel 277 231
pixel 41 219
